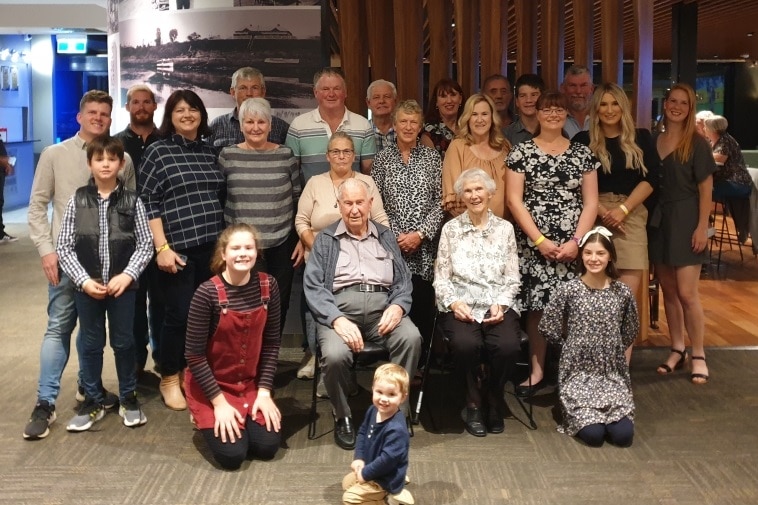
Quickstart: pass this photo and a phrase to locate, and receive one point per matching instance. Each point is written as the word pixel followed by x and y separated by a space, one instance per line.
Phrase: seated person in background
pixel 476 278
pixel 232 346
pixel 358 287
pixel 381 453
pixel 731 182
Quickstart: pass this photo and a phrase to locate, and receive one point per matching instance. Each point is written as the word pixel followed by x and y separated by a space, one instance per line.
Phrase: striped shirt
pixel 203 319
pixel 180 183
pixel 262 190
pixel 227 131
pixel 383 140
pixel 309 136
pixel 68 260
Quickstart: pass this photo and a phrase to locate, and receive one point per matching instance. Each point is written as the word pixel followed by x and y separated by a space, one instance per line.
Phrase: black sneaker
pixel 7 238
pixel 39 423
pixel 109 399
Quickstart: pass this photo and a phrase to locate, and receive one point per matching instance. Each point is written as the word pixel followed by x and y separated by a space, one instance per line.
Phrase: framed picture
pixel 5 78
pixel 13 78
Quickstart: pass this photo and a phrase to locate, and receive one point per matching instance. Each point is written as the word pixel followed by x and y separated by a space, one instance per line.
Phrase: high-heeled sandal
pixel 679 364
pixel 699 378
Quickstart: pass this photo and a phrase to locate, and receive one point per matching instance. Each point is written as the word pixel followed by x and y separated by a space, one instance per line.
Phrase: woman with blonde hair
pixel 679 225
pixel 479 144
pixel 628 176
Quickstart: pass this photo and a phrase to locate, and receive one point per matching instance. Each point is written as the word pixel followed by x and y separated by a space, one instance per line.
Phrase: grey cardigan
pixel 322 262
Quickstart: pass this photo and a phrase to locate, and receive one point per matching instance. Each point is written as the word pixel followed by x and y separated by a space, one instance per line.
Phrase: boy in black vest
pixel 104 244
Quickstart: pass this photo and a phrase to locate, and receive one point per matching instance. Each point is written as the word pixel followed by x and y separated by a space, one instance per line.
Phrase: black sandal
pixel 679 364
pixel 703 377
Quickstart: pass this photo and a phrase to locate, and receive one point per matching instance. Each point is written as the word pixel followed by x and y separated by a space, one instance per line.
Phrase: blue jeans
pixel 56 343
pixel 120 313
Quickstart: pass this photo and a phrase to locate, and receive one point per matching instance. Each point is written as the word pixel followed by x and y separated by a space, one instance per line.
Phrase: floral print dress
pixel 593 377
pixel 553 197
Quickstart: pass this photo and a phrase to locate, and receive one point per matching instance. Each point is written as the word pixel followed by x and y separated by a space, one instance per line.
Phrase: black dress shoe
pixel 527 391
pixel 495 423
pixel 344 434
pixel 472 419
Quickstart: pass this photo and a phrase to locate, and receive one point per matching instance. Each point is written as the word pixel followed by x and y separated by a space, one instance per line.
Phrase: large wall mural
pixel 198 44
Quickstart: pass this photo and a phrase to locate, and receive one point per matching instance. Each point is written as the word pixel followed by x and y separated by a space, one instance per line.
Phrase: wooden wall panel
pixel 643 63
pixel 612 40
pixel 409 32
pixel 493 20
pixel 526 28
pixel 584 29
pixel 552 15
pixel 467 44
pixel 381 47
pixel 439 14
pixel 354 53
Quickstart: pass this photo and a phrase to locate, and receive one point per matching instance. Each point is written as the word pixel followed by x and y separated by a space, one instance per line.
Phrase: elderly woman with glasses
pixel 476 279
pixel 551 190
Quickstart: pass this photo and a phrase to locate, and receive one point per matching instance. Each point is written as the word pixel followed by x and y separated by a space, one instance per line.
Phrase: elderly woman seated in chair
pixel 476 279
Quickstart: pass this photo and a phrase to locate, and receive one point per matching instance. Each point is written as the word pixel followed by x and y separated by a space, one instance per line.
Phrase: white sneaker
pixel 307 366
pixel 404 497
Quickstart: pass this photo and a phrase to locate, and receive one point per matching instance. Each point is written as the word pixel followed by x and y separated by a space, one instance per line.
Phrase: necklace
pixel 335 185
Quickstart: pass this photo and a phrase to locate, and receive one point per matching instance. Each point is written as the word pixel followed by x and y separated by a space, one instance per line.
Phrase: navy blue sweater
pixel 384 448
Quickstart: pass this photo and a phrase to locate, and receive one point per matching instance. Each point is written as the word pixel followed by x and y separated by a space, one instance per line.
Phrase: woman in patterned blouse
pixel 408 177
pixel 731 179
pixel 477 279
pixel 442 113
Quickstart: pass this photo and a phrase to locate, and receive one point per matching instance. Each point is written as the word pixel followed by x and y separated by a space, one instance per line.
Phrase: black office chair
pixel 371 353
pixel 523 363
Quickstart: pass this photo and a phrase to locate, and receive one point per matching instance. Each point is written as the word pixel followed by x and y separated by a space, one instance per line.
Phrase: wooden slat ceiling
pixel 723 27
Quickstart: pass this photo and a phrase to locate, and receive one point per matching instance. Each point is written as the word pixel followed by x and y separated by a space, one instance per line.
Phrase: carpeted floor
pixel 693 445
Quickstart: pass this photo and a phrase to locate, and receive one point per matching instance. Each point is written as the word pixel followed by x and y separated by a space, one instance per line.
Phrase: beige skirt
pixel 631 246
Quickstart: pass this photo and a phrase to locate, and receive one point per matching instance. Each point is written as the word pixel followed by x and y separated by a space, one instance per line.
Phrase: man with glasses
pixel 577 87
pixel 529 87
pixel 247 82
pixel 309 133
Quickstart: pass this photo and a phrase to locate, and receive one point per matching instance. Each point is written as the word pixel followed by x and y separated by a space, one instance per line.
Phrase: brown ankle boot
pixel 172 392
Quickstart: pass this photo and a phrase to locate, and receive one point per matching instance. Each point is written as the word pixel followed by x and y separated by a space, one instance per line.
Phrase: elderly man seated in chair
pixel 359 289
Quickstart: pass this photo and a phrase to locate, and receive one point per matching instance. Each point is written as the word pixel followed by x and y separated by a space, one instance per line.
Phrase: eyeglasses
pixel 558 111
pixel 342 152
pixel 602 230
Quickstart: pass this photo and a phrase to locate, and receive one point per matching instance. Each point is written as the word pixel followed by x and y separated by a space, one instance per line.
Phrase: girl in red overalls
pixel 232 347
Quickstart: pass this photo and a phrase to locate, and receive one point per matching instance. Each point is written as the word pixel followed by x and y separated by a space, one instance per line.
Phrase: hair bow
pixel 602 230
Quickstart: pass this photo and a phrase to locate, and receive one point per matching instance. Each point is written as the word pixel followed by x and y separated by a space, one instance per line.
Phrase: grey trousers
pixel 365 310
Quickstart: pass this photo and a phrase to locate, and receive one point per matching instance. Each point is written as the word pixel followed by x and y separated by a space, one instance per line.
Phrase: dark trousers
pixel 92 314
pixel 620 433
pixel 276 262
pixel 182 4
pixel 423 308
pixel 148 319
pixel 255 442
pixel 176 292
pixel 470 343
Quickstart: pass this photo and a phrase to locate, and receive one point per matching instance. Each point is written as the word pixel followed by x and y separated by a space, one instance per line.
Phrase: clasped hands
pixel 351 334
pixel 565 253
pixel 462 312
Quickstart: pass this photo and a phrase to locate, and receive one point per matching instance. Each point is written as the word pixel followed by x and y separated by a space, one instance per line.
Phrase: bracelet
pixel 420 234
pixel 623 207
pixel 576 239
pixel 162 248
pixel 539 240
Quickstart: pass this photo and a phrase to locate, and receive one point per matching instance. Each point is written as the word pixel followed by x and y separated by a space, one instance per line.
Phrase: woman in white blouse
pixel 476 279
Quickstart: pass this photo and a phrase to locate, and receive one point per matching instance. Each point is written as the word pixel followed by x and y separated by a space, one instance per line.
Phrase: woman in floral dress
pixel 551 190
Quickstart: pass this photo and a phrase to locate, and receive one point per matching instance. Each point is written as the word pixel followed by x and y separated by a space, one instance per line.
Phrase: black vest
pixel 121 239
